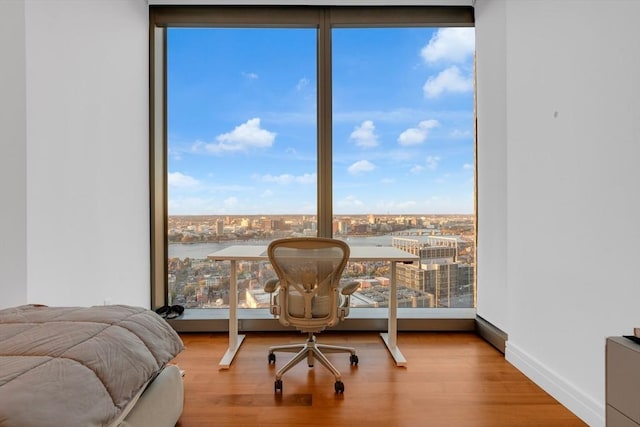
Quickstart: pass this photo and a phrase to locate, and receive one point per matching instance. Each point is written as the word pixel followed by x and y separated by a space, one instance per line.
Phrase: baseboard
pixel 584 407
pixel 492 334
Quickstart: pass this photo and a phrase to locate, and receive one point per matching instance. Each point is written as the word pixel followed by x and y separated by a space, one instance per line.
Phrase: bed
pixel 88 366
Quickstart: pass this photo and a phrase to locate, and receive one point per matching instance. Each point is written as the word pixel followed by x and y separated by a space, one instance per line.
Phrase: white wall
pixel 572 140
pixel 13 178
pixel 87 180
pixel 491 114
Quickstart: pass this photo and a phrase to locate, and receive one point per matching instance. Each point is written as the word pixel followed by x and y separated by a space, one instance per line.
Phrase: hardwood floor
pixel 451 379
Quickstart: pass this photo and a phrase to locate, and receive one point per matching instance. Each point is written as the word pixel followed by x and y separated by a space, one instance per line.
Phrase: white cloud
pixel 406 205
pixel 364 135
pixel 349 202
pixel 250 76
pixel 230 202
pixel 467 166
pixel 180 180
pixel 432 162
pixel 278 179
pixel 448 80
pixel 393 206
pixel 414 136
pixel 244 137
pixel 452 45
pixel 284 179
pixel 361 166
pixel 302 83
pixel 193 205
pixel 180 206
pixel 457 133
pixel 417 169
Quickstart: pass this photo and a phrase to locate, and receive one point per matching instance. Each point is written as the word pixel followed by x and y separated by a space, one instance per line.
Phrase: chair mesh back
pixel 309 270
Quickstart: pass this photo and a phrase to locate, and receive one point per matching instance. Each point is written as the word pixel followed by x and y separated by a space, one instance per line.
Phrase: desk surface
pixel 358 253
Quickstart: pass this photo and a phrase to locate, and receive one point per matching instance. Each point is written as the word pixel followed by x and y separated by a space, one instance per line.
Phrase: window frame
pixel 324 19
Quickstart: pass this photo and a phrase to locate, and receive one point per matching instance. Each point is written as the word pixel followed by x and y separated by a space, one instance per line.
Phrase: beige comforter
pixel 72 366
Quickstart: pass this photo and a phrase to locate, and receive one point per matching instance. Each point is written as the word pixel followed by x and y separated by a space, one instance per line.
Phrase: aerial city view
pixel 443 278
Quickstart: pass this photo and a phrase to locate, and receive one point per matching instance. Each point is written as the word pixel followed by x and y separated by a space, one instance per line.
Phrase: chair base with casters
pixel 311 350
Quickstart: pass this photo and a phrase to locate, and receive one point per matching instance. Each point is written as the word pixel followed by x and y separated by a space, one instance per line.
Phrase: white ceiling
pixel 317 2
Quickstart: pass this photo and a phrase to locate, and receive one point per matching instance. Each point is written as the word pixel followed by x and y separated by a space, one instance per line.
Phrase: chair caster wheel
pixel 353 359
pixel 339 386
pixel 272 358
pixel 278 386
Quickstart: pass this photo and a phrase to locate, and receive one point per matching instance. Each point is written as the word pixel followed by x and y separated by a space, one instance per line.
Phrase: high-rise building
pixel 438 272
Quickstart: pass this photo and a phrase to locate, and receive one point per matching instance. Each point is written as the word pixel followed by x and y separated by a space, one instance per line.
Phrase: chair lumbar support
pixel 307 295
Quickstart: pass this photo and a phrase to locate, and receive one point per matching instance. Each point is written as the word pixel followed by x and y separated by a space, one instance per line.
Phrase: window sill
pixel 362 319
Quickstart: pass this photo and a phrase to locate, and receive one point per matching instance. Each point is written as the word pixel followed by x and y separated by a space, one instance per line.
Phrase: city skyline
pixel 444 277
pixel 242 121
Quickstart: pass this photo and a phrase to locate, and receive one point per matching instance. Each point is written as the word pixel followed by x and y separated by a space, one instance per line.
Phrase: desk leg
pixel 391 337
pixel 235 340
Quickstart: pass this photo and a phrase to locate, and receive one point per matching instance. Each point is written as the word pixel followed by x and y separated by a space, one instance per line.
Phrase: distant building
pixel 438 273
pixel 257 298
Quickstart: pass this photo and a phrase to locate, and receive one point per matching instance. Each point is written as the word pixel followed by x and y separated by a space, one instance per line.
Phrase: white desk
pixel 358 253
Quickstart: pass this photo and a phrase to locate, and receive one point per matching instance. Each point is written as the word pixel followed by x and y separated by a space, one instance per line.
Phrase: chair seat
pixel 320 307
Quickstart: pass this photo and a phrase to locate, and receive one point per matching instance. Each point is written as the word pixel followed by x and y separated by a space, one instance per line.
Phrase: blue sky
pixel 242 121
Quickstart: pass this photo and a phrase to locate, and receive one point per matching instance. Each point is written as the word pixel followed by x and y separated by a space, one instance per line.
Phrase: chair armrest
pixel 350 288
pixel 271 285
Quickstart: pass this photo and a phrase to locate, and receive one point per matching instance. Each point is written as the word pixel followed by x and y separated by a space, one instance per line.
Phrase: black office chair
pixel 309 297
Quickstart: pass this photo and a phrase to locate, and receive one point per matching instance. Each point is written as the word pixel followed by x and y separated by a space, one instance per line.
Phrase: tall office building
pixel 438 272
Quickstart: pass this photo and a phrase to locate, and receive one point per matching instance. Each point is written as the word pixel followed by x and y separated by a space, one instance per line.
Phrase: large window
pixel 354 123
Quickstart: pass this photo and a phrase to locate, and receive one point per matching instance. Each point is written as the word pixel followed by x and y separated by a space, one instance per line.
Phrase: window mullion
pixel 158 167
pixel 325 173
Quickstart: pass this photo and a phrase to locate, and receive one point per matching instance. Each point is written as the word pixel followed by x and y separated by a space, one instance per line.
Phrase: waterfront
pixel 201 250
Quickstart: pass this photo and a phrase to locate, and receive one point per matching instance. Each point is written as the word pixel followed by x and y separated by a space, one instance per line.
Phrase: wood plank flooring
pixel 451 379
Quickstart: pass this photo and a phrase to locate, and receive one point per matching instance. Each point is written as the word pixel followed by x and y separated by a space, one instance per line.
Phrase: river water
pixel 201 250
